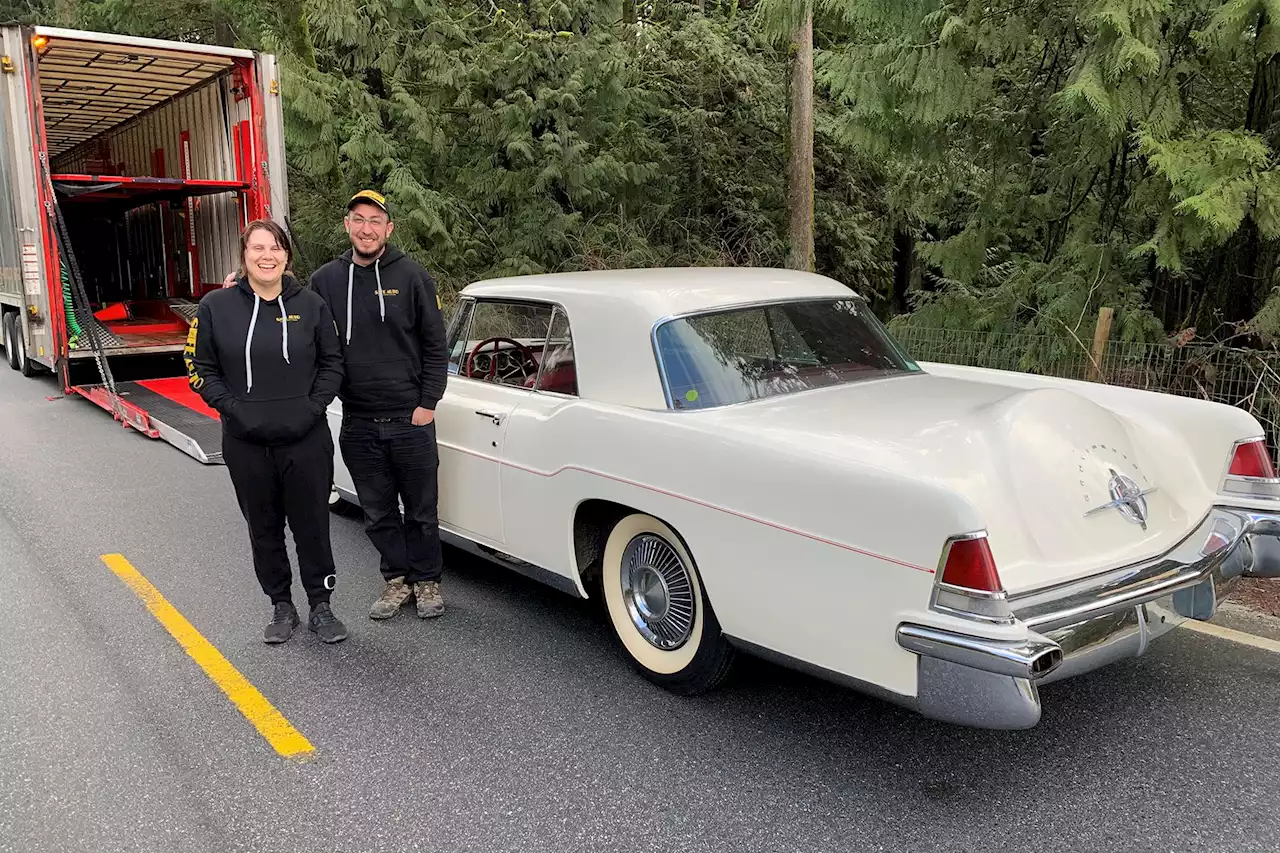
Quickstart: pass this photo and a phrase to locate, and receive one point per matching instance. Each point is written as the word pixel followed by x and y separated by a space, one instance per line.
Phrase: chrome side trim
pixel 506 561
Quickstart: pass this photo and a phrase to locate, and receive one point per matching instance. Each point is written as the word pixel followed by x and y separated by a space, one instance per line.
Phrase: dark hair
pixel 282 237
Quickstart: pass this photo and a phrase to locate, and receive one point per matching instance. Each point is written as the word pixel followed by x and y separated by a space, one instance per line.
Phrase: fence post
pixel 1101 334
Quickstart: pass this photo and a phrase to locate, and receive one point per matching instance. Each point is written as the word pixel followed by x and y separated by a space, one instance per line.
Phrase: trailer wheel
pixel 10 347
pixel 25 365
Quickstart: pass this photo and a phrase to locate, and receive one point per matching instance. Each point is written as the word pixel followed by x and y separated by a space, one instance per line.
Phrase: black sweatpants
pixel 286 483
pixel 392 463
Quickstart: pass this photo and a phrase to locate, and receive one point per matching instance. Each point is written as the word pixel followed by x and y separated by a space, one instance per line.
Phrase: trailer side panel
pixel 23 237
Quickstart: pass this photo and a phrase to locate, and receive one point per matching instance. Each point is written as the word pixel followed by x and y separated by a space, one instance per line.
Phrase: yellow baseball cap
pixel 369 197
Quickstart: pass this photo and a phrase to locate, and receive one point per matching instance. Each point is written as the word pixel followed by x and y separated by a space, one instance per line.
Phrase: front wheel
pixel 658 609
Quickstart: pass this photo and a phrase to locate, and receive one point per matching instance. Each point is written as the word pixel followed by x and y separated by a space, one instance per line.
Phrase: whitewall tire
pixel 658 609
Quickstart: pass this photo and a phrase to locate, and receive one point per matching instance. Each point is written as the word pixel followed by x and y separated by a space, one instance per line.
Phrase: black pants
pixel 286 483
pixel 392 463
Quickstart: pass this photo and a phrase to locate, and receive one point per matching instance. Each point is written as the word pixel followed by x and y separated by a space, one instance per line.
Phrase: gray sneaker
pixel 430 602
pixel 388 604
pixel 283 620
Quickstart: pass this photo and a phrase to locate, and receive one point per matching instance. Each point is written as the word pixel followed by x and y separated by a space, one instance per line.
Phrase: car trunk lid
pixel 1067 487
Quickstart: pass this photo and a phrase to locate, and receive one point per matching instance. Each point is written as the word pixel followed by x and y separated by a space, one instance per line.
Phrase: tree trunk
pixel 1241 273
pixel 800 173
pixel 904 263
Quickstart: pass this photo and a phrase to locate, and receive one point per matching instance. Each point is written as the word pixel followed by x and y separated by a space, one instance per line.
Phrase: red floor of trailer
pixel 179 391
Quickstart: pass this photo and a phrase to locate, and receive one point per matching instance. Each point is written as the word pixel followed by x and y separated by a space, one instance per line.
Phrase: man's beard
pixel 355 251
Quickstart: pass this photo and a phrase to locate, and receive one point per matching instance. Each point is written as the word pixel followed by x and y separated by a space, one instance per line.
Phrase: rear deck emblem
pixel 1127 497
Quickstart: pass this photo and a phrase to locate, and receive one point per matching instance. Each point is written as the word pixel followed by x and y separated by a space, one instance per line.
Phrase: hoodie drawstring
pixel 382 306
pixel 248 345
pixel 248 341
pixel 284 335
pixel 351 277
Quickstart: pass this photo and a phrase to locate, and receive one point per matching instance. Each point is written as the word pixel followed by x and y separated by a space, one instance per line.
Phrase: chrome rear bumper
pixel 1083 625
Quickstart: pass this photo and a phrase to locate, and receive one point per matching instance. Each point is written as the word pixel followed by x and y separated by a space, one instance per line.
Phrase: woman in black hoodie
pixel 265 355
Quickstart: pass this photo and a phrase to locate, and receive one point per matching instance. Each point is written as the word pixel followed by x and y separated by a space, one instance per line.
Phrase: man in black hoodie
pixel 393 341
pixel 264 354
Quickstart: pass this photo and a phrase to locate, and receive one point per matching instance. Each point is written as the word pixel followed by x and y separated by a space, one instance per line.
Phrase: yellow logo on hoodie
pixel 293 318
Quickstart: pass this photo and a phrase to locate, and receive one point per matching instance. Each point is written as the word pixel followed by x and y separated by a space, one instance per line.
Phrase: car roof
pixel 662 292
pixel 612 314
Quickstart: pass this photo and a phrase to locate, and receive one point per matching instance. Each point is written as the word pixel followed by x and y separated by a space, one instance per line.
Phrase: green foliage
pixel 1008 167
pixel 556 137
pixel 1215 179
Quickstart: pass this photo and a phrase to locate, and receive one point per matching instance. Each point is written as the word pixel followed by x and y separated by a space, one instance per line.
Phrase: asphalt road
pixel 512 723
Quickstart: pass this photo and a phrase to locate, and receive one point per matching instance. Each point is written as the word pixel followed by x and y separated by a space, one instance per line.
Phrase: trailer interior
pixel 151 150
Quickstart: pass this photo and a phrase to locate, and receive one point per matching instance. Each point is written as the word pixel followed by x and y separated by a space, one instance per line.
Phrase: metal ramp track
pixel 105 336
pixel 194 433
pixel 185 309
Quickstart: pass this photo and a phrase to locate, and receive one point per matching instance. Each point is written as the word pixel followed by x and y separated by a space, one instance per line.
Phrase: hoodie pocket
pixel 391 381
pixel 271 421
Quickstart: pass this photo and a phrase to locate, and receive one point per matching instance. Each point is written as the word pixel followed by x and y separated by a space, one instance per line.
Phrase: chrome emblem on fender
pixel 1127 497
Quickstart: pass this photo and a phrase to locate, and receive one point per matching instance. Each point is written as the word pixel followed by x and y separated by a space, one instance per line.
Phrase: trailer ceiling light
pixel 39 42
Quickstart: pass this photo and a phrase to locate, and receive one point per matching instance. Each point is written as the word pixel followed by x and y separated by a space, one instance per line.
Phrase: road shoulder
pixel 1253 609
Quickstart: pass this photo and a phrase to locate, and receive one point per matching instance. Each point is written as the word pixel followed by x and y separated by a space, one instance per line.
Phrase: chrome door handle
pixel 496 417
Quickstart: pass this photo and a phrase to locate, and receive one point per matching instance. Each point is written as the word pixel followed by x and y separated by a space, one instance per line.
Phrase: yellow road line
pixel 1234 636
pixel 269 722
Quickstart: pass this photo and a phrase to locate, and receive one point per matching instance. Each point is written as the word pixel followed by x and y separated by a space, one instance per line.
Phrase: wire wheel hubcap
pixel 658 592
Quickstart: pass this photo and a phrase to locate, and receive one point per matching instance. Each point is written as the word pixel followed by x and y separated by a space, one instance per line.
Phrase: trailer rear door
pixel 196 122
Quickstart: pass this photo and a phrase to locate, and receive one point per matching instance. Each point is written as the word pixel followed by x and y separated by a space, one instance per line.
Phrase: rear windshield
pixel 732 356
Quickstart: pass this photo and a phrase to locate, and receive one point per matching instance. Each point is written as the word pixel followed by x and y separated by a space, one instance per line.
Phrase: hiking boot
pixel 283 621
pixel 427 595
pixel 388 605
pixel 326 625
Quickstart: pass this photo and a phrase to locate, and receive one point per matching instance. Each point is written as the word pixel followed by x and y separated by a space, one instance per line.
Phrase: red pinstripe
pixel 688 499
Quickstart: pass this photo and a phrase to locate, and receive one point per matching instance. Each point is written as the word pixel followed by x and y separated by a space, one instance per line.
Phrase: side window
pixel 458 334
pixel 504 342
pixel 559 373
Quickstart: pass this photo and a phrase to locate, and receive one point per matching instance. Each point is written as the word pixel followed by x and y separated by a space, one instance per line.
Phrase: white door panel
pixel 471 423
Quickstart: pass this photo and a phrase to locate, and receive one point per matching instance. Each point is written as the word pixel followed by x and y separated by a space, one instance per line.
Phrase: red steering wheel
pixel 508 372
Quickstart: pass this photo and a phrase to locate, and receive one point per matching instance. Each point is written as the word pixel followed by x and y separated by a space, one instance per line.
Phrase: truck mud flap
pixel 166 409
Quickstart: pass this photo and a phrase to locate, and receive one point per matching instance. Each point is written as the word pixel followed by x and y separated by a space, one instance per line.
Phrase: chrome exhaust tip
pixel 1029 659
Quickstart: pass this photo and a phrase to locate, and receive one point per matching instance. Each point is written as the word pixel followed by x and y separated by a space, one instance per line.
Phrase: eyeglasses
pixel 357 221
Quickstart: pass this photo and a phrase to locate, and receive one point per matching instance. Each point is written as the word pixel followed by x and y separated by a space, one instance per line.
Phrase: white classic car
pixel 745 459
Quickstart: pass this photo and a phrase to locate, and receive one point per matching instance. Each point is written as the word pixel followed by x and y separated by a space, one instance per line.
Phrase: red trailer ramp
pixel 166 409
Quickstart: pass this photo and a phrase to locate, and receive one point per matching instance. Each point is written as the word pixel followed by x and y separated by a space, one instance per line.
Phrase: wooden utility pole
pixel 1101 334
pixel 800 173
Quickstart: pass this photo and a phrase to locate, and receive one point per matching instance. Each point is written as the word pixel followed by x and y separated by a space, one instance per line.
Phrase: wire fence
pixel 1248 379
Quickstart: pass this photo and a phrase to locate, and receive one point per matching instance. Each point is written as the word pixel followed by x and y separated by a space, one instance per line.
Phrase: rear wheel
pixel 25 364
pixel 658 609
